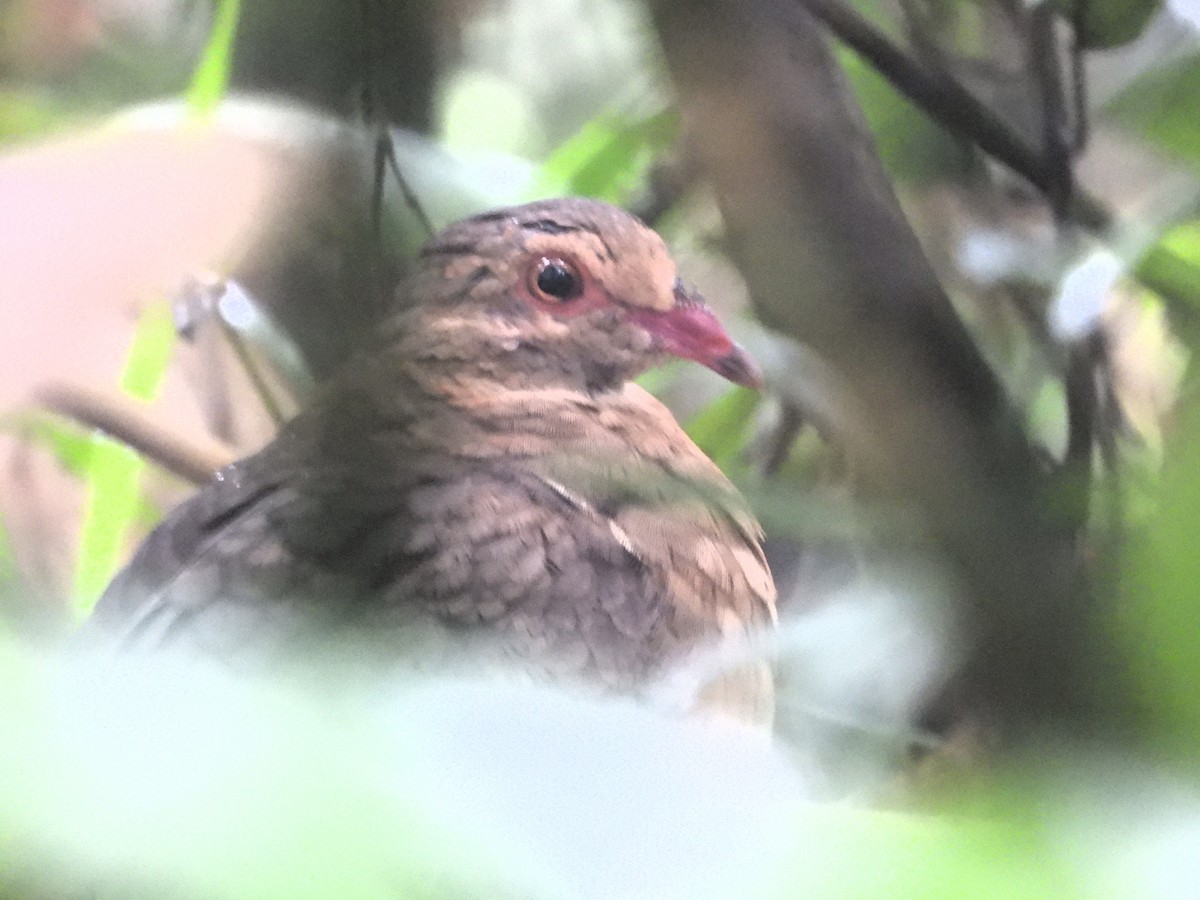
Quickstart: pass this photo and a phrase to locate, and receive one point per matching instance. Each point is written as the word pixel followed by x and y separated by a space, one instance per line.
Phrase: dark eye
pixel 555 279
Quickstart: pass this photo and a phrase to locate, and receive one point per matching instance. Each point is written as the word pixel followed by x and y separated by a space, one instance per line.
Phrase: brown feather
pixel 485 470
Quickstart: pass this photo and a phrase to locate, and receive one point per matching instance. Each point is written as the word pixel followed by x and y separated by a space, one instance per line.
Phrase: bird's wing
pixel 680 511
pixel 692 530
pixel 214 571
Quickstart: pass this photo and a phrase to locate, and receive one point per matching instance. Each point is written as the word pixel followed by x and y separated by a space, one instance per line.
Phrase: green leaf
pixel 1171 268
pixel 845 852
pixel 113 500
pixel 26 114
pixel 211 78
pixel 1163 108
pixel 153 344
pixel 483 112
pixel 1105 24
pixel 69 444
pixel 1160 622
pixel 607 156
pixel 1161 618
pixel 721 428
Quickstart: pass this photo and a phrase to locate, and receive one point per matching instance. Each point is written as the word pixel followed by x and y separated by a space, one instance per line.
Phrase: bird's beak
pixel 691 331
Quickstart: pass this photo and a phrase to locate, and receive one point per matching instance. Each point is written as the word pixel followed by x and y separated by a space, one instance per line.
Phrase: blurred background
pixel 963 239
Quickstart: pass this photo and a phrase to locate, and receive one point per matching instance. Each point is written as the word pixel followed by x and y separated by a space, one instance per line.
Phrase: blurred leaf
pixel 1044 415
pixel 721 428
pixel 657 380
pixel 608 155
pixel 1105 24
pixel 1171 268
pixel 1184 241
pixel 211 78
pixel 845 852
pixel 482 112
pixel 165 781
pixel 808 513
pixel 1163 107
pixel 148 514
pixel 171 779
pixel 1161 618
pixel 26 114
pixel 111 505
pixel 65 441
pixel 114 471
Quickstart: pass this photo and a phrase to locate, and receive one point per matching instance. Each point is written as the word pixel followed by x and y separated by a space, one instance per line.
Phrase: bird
pixel 483 484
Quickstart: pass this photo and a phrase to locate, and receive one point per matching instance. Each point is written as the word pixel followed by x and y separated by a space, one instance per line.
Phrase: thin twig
pixel 406 191
pixel 947 101
pixel 791 420
pixel 385 148
pixel 250 366
pixel 1081 379
pixel 1079 94
pixel 130 422
pixel 1082 418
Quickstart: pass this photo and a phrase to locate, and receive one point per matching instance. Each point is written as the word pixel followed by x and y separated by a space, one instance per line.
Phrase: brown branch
pixel 779 445
pixel 815 228
pixel 951 104
pixel 1079 92
pixel 1080 386
pixel 130 422
pixel 1046 65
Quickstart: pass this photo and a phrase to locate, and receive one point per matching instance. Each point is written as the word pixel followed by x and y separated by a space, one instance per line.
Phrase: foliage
pixel 1161 621
pixel 1104 24
pixel 607 156
pixel 263 795
pixel 1171 266
pixel 147 778
pixel 211 79
pixel 722 428
pixel 1162 106
pixel 114 470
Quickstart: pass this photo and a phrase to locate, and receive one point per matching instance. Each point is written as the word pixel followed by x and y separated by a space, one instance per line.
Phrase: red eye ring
pixel 555 280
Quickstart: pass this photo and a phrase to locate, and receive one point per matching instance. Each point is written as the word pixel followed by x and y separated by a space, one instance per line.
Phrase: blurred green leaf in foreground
pixel 160 777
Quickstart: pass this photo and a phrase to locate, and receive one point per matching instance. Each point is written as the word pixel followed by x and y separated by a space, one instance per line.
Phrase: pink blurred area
pixel 92 228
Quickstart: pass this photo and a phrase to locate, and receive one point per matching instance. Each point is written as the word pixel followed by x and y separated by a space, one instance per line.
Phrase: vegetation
pixel 978 458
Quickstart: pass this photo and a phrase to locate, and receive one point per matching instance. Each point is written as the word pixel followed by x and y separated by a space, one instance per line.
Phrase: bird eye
pixel 556 280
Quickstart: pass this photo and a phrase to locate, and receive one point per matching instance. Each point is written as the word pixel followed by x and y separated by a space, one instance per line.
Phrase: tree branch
pixel 1046 65
pixel 130 423
pixel 815 228
pixel 948 102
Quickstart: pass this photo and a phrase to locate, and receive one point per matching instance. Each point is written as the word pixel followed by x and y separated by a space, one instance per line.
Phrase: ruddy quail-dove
pixel 484 482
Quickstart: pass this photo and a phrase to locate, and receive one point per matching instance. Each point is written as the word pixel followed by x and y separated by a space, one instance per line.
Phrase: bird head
pixel 573 286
